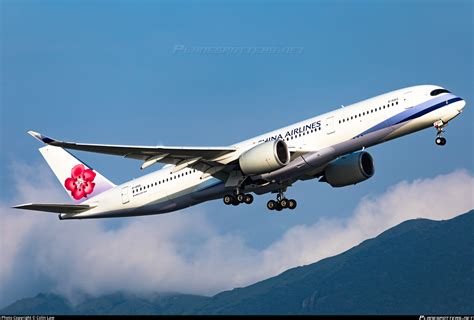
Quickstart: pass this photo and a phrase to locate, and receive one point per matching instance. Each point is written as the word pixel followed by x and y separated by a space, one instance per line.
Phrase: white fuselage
pixel 355 126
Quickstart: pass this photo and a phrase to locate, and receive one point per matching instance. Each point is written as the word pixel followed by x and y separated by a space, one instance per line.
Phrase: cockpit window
pixel 436 92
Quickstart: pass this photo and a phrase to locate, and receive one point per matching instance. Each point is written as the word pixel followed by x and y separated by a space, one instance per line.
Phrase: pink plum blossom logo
pixel 81 182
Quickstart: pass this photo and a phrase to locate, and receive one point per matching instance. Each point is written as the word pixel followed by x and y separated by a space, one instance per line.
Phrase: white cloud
pixel 439 198
pixel 185 252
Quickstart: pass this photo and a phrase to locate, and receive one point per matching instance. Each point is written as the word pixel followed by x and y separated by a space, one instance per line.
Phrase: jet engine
pixel 351 169
pixel 265 157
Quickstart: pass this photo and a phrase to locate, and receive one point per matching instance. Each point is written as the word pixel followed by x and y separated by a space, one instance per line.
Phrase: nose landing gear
pixel 439 126
pixel 440 141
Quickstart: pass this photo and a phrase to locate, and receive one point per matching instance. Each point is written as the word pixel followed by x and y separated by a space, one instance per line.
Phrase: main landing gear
pixel 440 125
pixel 281 203
pixel 235 200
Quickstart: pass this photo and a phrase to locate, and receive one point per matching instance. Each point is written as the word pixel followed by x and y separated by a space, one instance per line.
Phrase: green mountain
pixel 110 304
pixel 418 267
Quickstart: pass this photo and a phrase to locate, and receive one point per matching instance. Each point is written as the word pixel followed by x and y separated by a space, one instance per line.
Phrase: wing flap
pixel 55 207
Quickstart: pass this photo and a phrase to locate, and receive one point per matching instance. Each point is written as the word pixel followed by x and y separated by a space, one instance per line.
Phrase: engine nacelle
pixel 350 169
pixel 265 157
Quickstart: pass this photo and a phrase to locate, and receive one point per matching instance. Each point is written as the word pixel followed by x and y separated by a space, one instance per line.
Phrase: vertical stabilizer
pixel 80 181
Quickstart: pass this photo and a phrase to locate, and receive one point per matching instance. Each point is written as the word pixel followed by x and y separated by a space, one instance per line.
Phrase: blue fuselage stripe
pixel 412 113
pixel 428 110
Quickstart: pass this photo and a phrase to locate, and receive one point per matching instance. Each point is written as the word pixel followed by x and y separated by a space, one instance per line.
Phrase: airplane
pixel 329 147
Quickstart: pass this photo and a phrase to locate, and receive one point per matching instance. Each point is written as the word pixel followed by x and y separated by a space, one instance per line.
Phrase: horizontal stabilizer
pixel 54 207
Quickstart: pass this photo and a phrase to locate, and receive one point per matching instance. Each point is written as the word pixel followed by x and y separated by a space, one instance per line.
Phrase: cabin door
pixel 125 198
pixel 330 125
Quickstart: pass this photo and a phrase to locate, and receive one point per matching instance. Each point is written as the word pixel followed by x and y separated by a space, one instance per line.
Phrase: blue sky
pixel 98 72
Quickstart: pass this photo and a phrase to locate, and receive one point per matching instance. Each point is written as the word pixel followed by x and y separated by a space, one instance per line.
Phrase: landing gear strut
pixel 236 199
pixel 281 203
pixel 440 125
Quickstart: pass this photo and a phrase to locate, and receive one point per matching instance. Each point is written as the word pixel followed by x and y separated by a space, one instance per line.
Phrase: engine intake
pixel 265 157
pixel 350 169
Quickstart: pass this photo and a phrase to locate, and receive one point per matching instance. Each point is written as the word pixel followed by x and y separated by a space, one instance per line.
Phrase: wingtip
pixel 20 206
pixel 35 134
pixel 40 137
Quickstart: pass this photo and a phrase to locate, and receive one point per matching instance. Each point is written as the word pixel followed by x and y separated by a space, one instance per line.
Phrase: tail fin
pixel 80 181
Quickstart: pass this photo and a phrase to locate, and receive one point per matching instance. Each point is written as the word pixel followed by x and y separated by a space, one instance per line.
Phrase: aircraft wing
pixel 54 207
pixel 181 156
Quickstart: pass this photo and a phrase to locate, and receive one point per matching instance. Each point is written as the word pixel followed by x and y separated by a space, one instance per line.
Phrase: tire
pixel 240 197
pixel 228 199
pixel 271 205
pixel 284 203
pixel 440 141
pixel 278 207
pixel 248 199
pixel 292 204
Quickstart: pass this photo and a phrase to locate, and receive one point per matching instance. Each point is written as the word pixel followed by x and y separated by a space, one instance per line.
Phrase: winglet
pixel 40 137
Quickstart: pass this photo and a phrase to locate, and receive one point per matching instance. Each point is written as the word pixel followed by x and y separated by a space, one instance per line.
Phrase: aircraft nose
pixel 460 105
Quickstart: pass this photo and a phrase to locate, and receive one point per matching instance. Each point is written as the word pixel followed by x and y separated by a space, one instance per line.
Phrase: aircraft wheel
pixel 248 199
pixel 278 207
pixel 440 141
pixel 228 199
pixel 292 204
pixel 240 197
pixel 271 205
pixel 283 203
